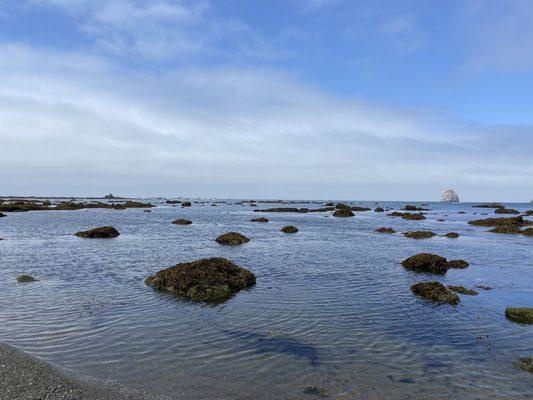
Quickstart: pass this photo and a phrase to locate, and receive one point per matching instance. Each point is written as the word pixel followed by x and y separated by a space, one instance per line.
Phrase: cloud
pixel 223 131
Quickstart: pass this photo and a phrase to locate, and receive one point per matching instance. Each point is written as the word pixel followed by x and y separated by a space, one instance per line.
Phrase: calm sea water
pixel 331 309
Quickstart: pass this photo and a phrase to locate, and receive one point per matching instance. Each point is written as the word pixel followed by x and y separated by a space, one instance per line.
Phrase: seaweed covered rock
pixel 379 209
pixel 261 219
pixel 435 291
pixel 522 315
pixel 186 204
pixel 289 229
pixel 136 204
pixel 506 211
pixel 452 235
pixel 385 230
pixel 413 216
pixel 462 290
pixel 26 279
pixel 232 239
pixel 507 229
pixel 419 234
pixel 519 221
pixel 209 280
pixel 181 221
pixel 104 232
pixel 342 206
pixel 360 209
pixel 343 213
pixel 458 264
pixel 525 363
pixel 427 262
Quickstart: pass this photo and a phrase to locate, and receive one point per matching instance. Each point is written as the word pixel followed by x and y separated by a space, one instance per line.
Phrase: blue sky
pixel 303 99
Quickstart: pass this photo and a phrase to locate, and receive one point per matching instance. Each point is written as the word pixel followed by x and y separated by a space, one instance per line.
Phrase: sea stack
pixel 450 196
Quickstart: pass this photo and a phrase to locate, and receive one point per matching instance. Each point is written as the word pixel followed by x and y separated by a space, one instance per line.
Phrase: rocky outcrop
pixel 289 229
pixel 522 315
pixel 360 209
pixel 435 291
pixel 104 232
pixel 411 207
pixel 261 219
pixel 450 196
pixel 452 235
pixel 432 263
pixel 207 280
pixel 385 230
pixel 342 206
pixel 462 290
pixel 419 234
pixel 232 239
pixel 506 211
pixel 413 216
pixel 507 229
pixel 181 221
pixel 518 221
pixel 343 213
pixel 26 279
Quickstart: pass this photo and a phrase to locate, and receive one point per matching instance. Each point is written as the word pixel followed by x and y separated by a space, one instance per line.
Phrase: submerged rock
pixel 26 279
pixel 519 221
pixel 104 232
pixel 413 216
pixel 506 211
pixel 450 196
pixel 289 229
pixel 262 219
pixel 506 229
pixel 522 315
pixel 181 221
pixel 452 235
pixel 385 230
pixel 419 234
pixel 232 239
pixel 343 213
pixel 435 291
pixel 427 262
pixel 462 290
pixel 525 363
pixel 209 280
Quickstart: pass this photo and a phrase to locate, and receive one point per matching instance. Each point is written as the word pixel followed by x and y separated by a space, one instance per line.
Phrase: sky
pixel 294 99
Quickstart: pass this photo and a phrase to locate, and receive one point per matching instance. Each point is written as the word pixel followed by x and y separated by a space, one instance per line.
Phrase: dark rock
pixel 395 214
pixel 232 239
pixel 147 210
pixel 499 221
pixel 426 262
pixel 173 202
pixel 342 206
pixel 435 291
pixel 525 363
pixel 385 230
pixel 329 205
pixel 209 280
pixel 289 229
pixel 181 221
pixel 413 216
pixel 284 209
pixel 462 290
pixel 458 264
pixel 489 205
pixel 506 211
pixel 411 207
pixel 186 204
pixel 506 229
pixel 2 215
pixel 104 232
pixel 26 279
pixel 136 204
pixel 461 212
pixel 262 219
pixel 452 235
pixel 109 196
pixel 360 209
pixel 522 315
pixel 343 212
pixel 441 220
pixel 484 287
pixel 419 234
pixel 379 209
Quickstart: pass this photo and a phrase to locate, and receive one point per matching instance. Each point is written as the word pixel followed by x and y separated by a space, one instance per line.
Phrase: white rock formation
pixel 450 196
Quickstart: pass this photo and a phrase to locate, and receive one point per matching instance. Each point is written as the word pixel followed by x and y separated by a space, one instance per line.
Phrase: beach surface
pixel 23 377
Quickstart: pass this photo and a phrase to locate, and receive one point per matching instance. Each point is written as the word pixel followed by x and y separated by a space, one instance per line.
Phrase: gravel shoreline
pixel 24 377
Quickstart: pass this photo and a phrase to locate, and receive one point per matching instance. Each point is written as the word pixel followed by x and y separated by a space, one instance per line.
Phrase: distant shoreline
pixel 24 377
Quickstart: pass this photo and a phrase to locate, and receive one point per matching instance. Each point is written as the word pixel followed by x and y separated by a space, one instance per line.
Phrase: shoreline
pixel 25 377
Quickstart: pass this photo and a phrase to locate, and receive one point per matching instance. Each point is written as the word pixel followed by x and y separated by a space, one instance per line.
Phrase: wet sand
pixel 23 377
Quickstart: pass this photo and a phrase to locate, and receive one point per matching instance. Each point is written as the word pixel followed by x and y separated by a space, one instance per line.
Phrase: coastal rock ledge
pixel 207 280
pixel 450 196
